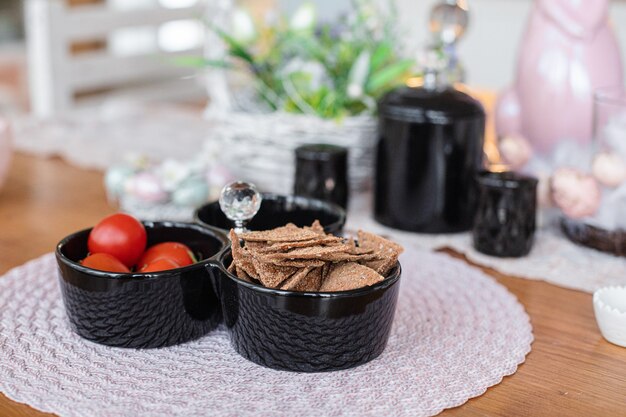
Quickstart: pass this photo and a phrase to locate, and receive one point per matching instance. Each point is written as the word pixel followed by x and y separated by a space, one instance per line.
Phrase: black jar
pixel 322 173
pixel 429 151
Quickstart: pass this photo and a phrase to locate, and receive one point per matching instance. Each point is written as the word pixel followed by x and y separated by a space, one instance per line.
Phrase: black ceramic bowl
pixel 308 332
pixel 277 210
pixel 144 310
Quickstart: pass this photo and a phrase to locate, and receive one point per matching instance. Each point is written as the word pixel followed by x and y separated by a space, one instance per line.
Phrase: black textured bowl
pixel 308 332
pixel 278 210
pixel 144 310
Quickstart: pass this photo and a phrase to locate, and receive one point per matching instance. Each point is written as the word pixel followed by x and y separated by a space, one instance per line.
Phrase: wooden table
pixel 571 371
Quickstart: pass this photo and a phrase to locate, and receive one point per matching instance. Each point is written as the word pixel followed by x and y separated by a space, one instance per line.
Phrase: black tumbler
pixel 322 173
pixel 505 219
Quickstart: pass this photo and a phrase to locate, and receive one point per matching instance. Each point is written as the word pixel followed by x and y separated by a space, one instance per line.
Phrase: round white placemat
pixel 456 333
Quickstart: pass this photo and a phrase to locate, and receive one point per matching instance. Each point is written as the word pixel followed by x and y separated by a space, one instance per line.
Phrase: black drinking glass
pixel 322 173
pixel 505 219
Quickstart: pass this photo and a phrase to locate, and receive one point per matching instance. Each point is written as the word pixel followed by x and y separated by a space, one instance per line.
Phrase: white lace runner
pixel 456 332
pixel 99 138
pixel 553 258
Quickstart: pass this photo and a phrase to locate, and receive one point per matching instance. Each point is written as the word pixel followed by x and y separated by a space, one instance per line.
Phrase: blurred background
pixel 488 50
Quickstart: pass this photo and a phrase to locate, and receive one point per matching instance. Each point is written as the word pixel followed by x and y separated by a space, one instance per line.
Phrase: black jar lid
pixel 321 152
pixel 422 105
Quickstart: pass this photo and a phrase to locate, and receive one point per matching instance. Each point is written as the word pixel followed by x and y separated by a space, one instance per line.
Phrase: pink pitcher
pixel 567 52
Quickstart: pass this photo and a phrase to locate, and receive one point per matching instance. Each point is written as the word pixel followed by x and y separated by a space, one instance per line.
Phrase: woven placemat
pixel 456 333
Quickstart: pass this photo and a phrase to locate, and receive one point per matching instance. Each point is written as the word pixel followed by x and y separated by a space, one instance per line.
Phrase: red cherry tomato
pixel 104 262
pixel 159 265
pixel 177 252
pixel 119 235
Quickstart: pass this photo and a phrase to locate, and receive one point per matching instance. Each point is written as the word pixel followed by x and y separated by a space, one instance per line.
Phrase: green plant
pixel 300 65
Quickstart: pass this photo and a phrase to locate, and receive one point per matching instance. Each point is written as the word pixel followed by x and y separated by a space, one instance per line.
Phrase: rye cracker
pixel 285 246
pixel 348 276
pixel 243 275
pixel 386 250
pixel 308 279
pixel 272 275
pixel 241 256
pixel 317 227
pixel 318 252
pixel 289 233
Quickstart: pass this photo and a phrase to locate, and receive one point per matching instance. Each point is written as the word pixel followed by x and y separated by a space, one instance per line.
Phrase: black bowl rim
pixel 389 280
pixel 119 276
pixel 326 205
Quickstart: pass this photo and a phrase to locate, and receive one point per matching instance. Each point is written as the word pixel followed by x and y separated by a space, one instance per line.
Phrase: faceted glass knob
pixel 449 20
pixel 240 202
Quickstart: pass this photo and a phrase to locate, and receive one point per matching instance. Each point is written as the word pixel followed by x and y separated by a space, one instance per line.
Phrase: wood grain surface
pixel 571 371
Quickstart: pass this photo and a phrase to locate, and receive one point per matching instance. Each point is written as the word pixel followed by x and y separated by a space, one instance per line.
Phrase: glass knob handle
pixel 240 201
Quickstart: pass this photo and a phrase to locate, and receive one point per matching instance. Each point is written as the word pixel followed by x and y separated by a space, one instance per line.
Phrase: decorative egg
pixel 609 169
pixel 146 187
pixel 515 150
pixel 191 193
pixel 575 193
pixel 114 180
pixel 172 173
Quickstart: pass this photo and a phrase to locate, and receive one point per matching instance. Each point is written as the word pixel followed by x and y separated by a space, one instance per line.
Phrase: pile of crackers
pixel 308 259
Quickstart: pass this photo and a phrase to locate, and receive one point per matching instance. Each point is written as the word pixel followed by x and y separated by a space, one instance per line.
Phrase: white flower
pixel 303 18
pixel 358 75
pixel 146 187
pixel 243 29
pixel 355 91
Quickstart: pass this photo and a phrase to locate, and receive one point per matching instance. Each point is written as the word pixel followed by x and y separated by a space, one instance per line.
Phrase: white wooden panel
pixel 100 70
pixel 94 21
pixel 56 76
pixel 47 57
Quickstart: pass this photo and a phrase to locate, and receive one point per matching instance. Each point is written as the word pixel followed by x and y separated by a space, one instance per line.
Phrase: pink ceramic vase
pixel 5 149
pixel 568 51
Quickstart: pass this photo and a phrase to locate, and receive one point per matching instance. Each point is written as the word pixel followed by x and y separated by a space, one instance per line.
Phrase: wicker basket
pixel 259 147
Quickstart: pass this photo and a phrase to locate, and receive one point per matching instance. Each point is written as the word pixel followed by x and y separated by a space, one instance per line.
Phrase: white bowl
pixel 609 304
